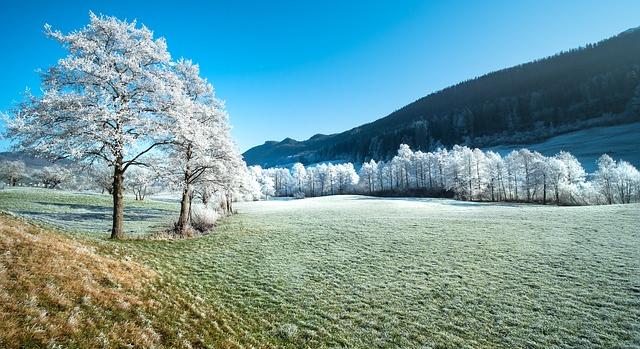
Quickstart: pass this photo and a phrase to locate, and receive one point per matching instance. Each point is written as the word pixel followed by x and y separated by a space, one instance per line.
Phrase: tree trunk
pixel 117 230
pixel 206 196
pixel 185 204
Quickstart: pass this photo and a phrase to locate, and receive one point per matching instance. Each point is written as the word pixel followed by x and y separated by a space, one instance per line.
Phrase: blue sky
pixel 297 68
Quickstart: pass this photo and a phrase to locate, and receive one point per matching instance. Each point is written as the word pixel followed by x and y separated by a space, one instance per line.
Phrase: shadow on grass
pixel 97 212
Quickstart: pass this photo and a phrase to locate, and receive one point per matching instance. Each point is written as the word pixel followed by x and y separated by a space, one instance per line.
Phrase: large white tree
pixel 201 137
pixel 108 100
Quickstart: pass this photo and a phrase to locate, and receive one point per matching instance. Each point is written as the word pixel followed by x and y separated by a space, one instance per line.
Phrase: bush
pixel 298 195
pixel 203 218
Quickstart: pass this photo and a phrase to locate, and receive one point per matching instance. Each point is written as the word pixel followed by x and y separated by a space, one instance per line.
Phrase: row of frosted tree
pixel 118 102
pixel 465 174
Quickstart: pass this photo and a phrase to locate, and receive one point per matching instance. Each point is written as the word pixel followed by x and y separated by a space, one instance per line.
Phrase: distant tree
pixel 141 181
pixel 576 175
pixel 605 177
pixel 52 176
pixel 627 180
pixel 299 173
pixel 470 174
pixel 13 171
pixel 368 171
pixel 556 174
pixel 267 187
pixel 102 177
pixel 495 169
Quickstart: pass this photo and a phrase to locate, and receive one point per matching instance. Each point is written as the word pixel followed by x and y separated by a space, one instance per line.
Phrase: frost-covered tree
pixel 346 177
pixel 368 172
pixel 479 172
pixel 251 190
pixel 576 176
pixel 200 135
pixel 556 175
pixel 52 176
pixel 467 174
pixel 267 187
pixel 141 181
pixel 102 177
pixel 299 173
pixel 229 180
pixel 627 181
pixel 605 177
pixel 495 171
pixel 13 171
pixel 282 180
pixel 107 100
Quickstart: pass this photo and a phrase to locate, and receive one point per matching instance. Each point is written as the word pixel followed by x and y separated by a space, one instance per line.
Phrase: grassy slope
pixel 59 293
pixel 364 272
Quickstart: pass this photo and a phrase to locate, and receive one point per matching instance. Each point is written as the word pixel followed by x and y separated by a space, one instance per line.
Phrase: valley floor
pixel 356 271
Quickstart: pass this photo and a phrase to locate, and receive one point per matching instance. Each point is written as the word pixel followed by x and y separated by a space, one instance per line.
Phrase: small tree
pixel 52 176
pixel 102 178
pixel 605 178
pixel 13 171
pixel 141 181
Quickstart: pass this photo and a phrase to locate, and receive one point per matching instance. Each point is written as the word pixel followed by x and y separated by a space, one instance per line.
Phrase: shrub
pixel 203 218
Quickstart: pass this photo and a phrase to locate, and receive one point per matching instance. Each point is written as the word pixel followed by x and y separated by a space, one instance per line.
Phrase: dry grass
pixel 58 292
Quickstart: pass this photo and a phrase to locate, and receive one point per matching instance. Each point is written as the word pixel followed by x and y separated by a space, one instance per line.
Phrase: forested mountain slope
pixel 596 85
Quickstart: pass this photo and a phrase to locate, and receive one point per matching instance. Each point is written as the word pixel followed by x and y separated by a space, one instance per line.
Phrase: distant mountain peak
pixel 318 136
pixel 630 30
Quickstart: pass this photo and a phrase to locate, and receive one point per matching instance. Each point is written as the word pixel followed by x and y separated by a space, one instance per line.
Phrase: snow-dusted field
pixel 363 272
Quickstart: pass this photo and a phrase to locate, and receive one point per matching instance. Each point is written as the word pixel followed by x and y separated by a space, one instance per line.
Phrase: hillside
pixel 596 85
pixel 620 142
pixel 29 160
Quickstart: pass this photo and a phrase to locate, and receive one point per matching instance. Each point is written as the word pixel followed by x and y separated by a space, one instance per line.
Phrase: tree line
pixel 464 174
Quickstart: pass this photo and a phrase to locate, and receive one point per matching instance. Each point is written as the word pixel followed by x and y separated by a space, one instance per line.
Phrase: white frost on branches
pixel 466 174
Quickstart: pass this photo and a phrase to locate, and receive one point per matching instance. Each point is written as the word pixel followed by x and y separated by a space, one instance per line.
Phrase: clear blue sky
pixel 297 68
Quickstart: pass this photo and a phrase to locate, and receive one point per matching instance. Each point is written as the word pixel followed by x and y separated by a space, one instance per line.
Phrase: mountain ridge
pixel 594 85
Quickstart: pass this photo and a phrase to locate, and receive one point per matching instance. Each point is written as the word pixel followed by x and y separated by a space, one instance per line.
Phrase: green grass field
pixel 351 271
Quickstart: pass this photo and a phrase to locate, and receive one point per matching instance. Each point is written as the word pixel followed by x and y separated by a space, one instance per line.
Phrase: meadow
pixel 362 272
